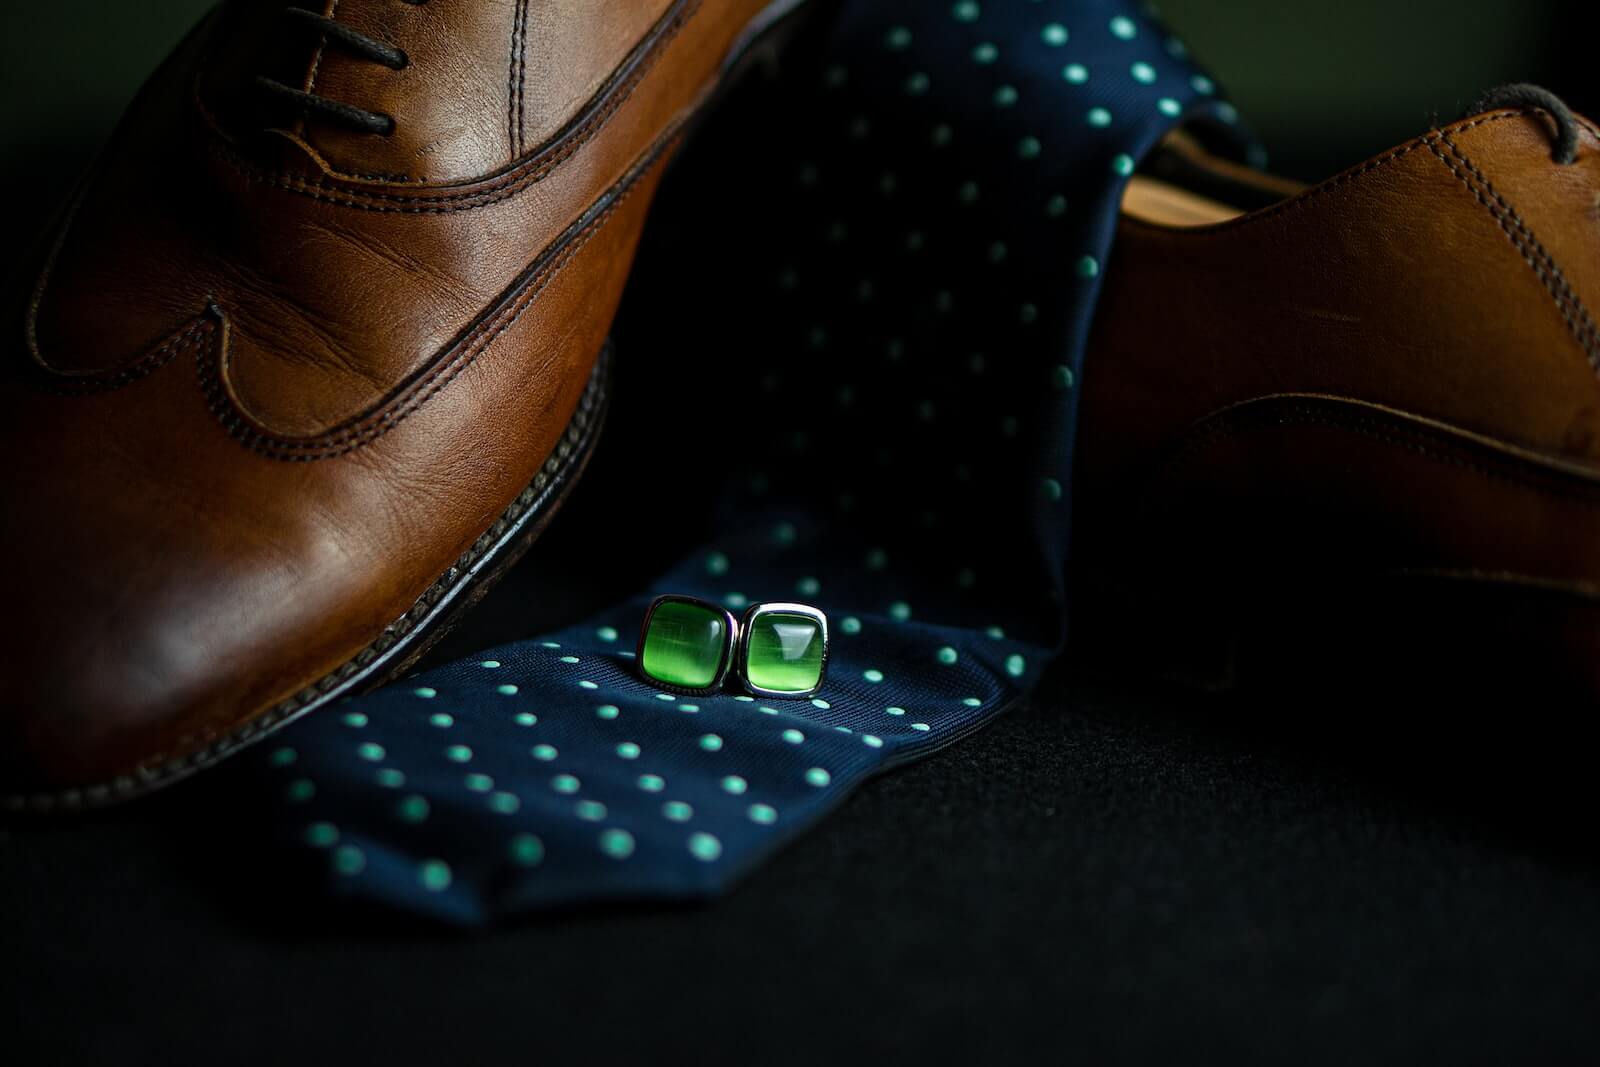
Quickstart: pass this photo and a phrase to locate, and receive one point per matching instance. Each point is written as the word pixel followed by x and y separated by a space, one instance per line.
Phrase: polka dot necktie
pixel 912 216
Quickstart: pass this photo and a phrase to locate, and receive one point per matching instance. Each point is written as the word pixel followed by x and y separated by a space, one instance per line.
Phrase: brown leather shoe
pixel 315 353
pixel 1374 400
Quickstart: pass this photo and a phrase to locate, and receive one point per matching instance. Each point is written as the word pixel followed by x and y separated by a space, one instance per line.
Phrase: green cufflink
pixel 689 645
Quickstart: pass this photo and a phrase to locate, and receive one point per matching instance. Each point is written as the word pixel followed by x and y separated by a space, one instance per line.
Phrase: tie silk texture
pixel 911 220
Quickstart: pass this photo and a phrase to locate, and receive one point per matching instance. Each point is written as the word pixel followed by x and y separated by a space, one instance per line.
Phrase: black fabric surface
pixel 1119 872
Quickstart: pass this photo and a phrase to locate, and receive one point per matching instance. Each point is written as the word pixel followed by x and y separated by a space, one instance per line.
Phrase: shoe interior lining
pixel 1182 184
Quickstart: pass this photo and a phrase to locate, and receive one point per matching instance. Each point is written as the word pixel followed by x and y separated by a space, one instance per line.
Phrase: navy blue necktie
pixel 914 232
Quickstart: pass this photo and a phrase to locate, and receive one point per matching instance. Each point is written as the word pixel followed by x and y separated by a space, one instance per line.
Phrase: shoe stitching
pixel 1533 251
pixel 159 770
pixel 536 169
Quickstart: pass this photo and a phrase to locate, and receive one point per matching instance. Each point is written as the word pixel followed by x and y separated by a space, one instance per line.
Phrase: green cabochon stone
pixel 684 644
pixel 785 653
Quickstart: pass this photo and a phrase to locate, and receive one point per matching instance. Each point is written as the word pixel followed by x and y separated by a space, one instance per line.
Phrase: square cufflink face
pixel 687 644
pixel 783 650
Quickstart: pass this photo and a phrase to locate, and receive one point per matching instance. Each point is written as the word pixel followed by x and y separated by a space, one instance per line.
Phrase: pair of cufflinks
pixel 689 645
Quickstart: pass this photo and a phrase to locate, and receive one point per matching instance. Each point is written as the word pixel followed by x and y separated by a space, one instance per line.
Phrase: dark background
pixel 1321 868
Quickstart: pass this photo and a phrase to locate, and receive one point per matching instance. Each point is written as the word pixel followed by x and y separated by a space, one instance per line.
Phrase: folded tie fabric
pixel 912 237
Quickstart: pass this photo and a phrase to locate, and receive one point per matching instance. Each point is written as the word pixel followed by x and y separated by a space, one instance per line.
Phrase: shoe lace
pixel 1523 94
pixel 331 32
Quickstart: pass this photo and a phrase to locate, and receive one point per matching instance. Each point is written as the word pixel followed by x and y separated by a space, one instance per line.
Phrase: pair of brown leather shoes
pixel 320 345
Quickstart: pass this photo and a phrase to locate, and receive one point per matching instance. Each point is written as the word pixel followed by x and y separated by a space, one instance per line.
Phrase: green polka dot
pixel 565 783
pixel 412 809
pixel 917 84
pixel 736 600
pixel 300 790
pixel 1169 107
pixel 1062 377
pixel 370 751
pixel 677 811
pixel 745 699
pixel 1176 48
pixel 1029 148
pixel 948 655
pixel 1016 666
pixel 544 752
pixel 1027 313
pixel 390 778
pixel 490 663
pixel 504 803
pixel 349 860
pixel 897 39
pixel 973 702
pixel 525 850
pixel 569 659
pixel 850 624
pixel 965 11
pixel 458 754
pixel 1122 164
pixel 589 810
pixel 426 692
pixel 1202 85
pixel 895 711
pixel 940 135
pixel 441 719
pixel 434 875
pixel 872 674
pixel 355 718
pixel 717 563
pixel 689 708
pixel 818 702
pixel 478 783
pixel 1122 26
pixel 628 750
pixel 899 611
pixel 764 814
pixel 985 53
pixel 996 633
pixel 506 690
pixel 818 777
pixel 606 633
pixel 652 783
pixel 704 847
pixel 808 586
pixel 872 740
pixel 618 844
pixel 1054 34
pixel 921 727
pixel 763 709
pixel 586 684
pixel 1076 73
pixel 549 644
pixel 793 736
pixel 665 696
pixel 997 253
pixel 711 742
pixel 283 757
pixel 1098 116
pixel 1143 73
pixel 607 711
pixel 1051 489
pixel 1056 206
pixel 321 834
pixel 526 718
pixel 968 193
pixel 1004 96
pixel 784 533
pixel 734 784
pixel 1087 267
pixel 1227 112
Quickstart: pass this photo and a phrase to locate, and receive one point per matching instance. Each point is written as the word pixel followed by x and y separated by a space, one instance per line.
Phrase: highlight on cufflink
pixel 777 650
